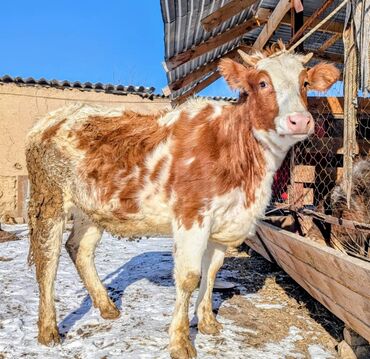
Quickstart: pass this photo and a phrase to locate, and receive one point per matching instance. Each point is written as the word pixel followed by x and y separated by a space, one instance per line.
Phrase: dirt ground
pixel 284 304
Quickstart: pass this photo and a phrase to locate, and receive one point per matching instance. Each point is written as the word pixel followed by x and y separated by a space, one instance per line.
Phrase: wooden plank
pixel 296 20
pixel 352 320
pixel 353 225
pixel 350 108
pixel 351 302
pixel 22 194
pixel 335 105
pixel 257 245
pixel 328 56
pixel 307 174
pixel 351 272
pixel 300 195
pixel 302 173
pixel 216 41
pixel 329 42
pixel 333 27
pixel 224 13
pixel 204 70
pixel 326 105
pixel 309 22
pixel 332 145
pixel 272 24
pixel 199 87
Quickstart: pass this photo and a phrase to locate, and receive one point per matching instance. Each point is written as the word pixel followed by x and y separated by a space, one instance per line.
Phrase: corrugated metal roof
pixel 183 30
pixel 146 92
pixel 83 86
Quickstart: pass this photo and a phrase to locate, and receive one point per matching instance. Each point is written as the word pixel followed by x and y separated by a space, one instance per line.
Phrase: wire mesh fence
pixel 313 167
pixel 311 177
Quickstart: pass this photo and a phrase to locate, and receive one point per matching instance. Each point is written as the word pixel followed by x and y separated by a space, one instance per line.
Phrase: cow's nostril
pixel 292 122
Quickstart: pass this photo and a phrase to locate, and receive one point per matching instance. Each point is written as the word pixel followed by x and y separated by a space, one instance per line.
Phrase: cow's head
pixel 274 93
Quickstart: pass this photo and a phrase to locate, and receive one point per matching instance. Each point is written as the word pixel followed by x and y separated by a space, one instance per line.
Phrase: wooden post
pixel 350 107
pixel 296 22
pixel 22 197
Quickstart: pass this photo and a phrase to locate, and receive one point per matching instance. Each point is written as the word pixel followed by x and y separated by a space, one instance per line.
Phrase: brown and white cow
pixel 202 172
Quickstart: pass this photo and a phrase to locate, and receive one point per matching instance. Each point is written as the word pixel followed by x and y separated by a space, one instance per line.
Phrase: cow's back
pixel 110 163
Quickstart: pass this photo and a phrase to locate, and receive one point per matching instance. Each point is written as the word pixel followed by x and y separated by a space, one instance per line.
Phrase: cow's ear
pixel 322 76
pixel 234 73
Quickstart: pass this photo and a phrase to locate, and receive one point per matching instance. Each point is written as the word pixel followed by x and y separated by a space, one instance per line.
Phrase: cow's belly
pixel 153 217
pixel 134 226
pixel 235 219
pixel 234 231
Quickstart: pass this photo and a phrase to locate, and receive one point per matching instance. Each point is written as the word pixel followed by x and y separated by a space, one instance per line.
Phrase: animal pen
pixel 337 274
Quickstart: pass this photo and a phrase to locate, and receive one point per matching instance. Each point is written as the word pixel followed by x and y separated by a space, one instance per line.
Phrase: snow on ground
pixel 138 275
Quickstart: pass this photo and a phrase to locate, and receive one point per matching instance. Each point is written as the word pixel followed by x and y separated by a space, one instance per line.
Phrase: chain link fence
pixel 313 167
pixel 310 173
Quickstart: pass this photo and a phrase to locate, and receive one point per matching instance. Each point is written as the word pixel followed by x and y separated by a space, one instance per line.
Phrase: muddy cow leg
pixel 212 262
pixel 81 246
pixel 189 248
pixel 46 222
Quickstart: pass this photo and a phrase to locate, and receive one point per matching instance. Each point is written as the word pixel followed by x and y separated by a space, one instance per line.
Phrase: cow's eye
pixel 263 84
pixel 306 83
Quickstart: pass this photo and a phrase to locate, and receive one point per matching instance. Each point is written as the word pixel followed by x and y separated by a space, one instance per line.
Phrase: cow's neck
pixel 242 162
pixel 275 148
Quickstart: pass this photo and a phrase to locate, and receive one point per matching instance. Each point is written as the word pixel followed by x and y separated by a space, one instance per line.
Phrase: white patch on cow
pixel 234 219
pixel 191 108
pixel 169 118
pixel 189 161
pixel 190 244
pixel 218 107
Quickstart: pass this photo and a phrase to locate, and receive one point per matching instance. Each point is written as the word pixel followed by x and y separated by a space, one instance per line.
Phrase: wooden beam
pixel 199 87
pixel 310 20
pixel 272 24
pixel 325 273
pixel 225 12
pixel 216 41
pixel 335 105
pixel 333 27
pixel 330 42
pixel 296 21
pixel 328 56
pixel 350 108
pixel 203 70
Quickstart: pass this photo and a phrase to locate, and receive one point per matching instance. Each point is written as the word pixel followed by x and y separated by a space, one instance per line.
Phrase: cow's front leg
pixel 189 247
pixel 212 262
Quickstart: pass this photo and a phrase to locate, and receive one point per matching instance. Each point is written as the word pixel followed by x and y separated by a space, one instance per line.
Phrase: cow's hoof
pixel 49 336
pixel 110 312
pixel 182 349
pixel 209 325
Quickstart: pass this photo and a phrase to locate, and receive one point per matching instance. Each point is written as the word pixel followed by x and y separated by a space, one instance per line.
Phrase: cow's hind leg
pixel 46 222
pixel 189 248
pixel 212 262
pixel 81 246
